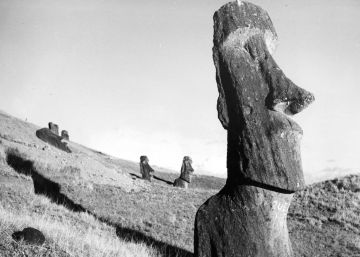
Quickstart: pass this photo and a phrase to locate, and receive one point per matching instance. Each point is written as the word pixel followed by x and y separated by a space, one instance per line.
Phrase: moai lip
pixel 256 99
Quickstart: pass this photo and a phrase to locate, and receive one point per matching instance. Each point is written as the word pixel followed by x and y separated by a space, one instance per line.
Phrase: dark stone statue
pixel 186 172
pixel 54 128
pixel 65 135
pixel 145 168
pixel 48 136
pixel 248 216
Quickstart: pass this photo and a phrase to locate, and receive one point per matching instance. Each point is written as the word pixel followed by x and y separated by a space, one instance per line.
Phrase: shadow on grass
pixel 155 177
pixel 42 185
pixel 45 186
pixel 163 249
pixel 163 180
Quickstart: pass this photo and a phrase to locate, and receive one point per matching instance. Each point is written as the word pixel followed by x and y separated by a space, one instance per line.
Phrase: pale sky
pixel 136 77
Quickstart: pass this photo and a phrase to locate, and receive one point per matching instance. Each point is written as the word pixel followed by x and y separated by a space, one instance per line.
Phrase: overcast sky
pixel 136 77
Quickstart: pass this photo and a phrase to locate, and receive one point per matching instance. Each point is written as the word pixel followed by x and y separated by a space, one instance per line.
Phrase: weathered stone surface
pixel 29 235
pixel 179 182
pixel 145 168
pixel 254 98
pixel 65 135
pixel 186 172
pixel 54 128
pixel 243 221
pixel 48 136
pixel 248 216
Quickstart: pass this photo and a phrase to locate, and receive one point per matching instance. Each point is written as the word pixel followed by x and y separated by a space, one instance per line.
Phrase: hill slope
pixel 88 189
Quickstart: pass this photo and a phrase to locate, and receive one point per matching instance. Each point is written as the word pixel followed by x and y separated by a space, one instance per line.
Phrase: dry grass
pixel 67 233
pixel 323 219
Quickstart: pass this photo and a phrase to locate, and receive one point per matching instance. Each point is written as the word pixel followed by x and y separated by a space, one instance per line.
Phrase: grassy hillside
pixel 91 204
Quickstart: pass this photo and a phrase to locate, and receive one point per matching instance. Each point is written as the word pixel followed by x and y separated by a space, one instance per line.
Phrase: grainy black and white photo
pixel 209 128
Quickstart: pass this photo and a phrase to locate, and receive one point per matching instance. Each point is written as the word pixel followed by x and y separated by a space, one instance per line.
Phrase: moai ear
pixel 222 107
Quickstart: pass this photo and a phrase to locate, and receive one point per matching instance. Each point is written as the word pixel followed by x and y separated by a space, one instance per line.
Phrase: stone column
pixel 248 216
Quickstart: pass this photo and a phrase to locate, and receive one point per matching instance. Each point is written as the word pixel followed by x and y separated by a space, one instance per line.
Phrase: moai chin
pixel 186 172
pixel 248 216
pixel 145 168
pixel 54 128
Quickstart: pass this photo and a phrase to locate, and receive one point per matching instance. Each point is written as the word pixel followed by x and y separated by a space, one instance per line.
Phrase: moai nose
pixel 284 96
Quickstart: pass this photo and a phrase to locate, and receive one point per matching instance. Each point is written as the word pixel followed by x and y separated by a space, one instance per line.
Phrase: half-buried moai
pixel 248 216
pixel 145 168
pixel 186 173
pixel 65 135
pixel 54 128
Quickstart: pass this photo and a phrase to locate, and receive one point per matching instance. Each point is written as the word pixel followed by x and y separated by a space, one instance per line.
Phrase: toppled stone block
pixel 48 136
pixel 54 128
pixel 145 168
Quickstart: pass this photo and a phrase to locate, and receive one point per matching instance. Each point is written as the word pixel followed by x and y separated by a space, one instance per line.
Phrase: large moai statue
pixel 186 173
pixel 54 128
pixel 248 216
pixel 145 168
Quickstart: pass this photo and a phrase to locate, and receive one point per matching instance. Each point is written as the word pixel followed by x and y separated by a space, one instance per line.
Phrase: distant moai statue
pixel 186 173
pixel 248 216
pixel 145 168
pixel 54 128
pixel 65 135
pixel 50 137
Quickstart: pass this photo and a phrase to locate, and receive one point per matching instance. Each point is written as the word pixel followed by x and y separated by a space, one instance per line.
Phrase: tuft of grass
pixel 67 233
pixel 2 154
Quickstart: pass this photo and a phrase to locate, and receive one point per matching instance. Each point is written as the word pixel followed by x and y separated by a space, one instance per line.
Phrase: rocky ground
pixel 323 220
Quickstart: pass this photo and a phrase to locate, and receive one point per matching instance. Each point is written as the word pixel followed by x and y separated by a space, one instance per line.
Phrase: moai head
pixel 186 165
pixel 255 98
pixel 65 135
pixel 54 128
pixel 144 159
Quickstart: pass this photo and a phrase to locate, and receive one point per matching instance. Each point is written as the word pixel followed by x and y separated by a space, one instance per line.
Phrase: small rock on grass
pixel 29 235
